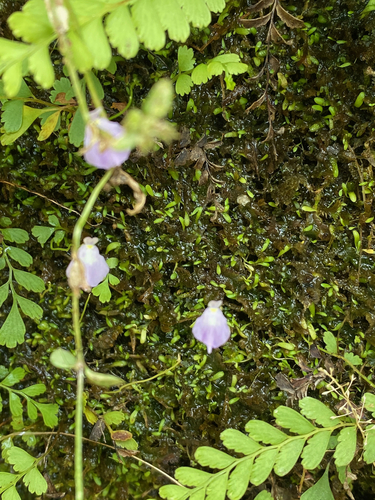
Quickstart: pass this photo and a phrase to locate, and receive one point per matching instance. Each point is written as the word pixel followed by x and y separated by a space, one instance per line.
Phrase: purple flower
pixel 212 328
pixel 90 268
pixel 100 140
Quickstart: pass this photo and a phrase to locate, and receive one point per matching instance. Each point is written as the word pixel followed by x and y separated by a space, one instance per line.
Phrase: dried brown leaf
pixel 270 135
pixel 257 103
pixel 119 105
pixel 276 36
pixel 97 430
pixel 60 98
pixel 289 20
pixel 121 435
pixel 182 158
pixel 263 4
pixel 255 23
pixel 203 178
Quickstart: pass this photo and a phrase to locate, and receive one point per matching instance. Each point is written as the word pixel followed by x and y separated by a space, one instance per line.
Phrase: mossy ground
pixel 275 238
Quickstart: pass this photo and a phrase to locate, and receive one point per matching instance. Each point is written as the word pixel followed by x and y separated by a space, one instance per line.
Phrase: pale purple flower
pixel 90 263
pixel 99 143
pixel 212 328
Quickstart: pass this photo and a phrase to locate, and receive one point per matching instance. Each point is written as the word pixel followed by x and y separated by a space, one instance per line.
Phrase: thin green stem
pixel 80 367
pixel 94 95
pixel 78 228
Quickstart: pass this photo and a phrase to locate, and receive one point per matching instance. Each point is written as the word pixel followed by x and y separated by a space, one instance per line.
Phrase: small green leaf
pixel 121 32
pixel 330 342
pixel 35 482
pixel 239 442
pixel 196 12
pixel 315 450
pixel 15 235
pixel 112 263
pixel 186 59
pixel 61 358
pixel 14 377
pixel 40 65
pixel 29 281
pixel 102 379
pixel 183 84
pixel 113 279
pixel 34 390
pixel 345 449
pixel 29 308
pixel 217 488
pixel 15 405
pixel 369 445
pixel 32 412
pixel 49 413
pixel 261 431
pixel 114 417
pixel 13 330
pixel 11 494
pixel 320 490
pixel 81 55
pixel 12 116
pixel 28 117
pixel 174 492
pixel 49 126
pixel 62 86
pixel 147 23
pixel 96 41
pixel 288 456
pixel 264 495
pixel 20 459
pixel 209 457
pixel 353 359
pixel 318 411
pixel 23 258
pixel 292 420
pixel 102 291
pixel 369 402
pixel 4 292
pixel 42 233
pixel 6 479
pixel 263 466
pixel 200 74
pixel 77 129
pixel 192 477
pixel 239 479
pixel 359 101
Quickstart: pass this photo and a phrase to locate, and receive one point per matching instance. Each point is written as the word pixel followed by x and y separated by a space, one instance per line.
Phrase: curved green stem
pixel 80 366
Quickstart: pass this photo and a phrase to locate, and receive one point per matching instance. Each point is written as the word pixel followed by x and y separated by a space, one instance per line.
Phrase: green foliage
pixel 13 329
pixel 43 233
pixel 126 26
pixel 230 64
pixel 26 468
pixel 369 7
pixel 47 410
pixel 308 436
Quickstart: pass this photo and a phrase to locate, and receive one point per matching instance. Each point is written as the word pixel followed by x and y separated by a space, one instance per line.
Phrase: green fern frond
pixel 144 21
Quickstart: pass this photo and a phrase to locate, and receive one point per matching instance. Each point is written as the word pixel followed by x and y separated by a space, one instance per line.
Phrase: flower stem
pixel 80 370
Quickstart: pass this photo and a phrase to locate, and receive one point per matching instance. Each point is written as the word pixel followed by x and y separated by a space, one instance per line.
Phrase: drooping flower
pixel 212 327
pixel 90 268
pixel 99 142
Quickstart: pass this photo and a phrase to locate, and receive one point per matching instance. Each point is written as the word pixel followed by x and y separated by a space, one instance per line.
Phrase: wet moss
pixel 274 238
